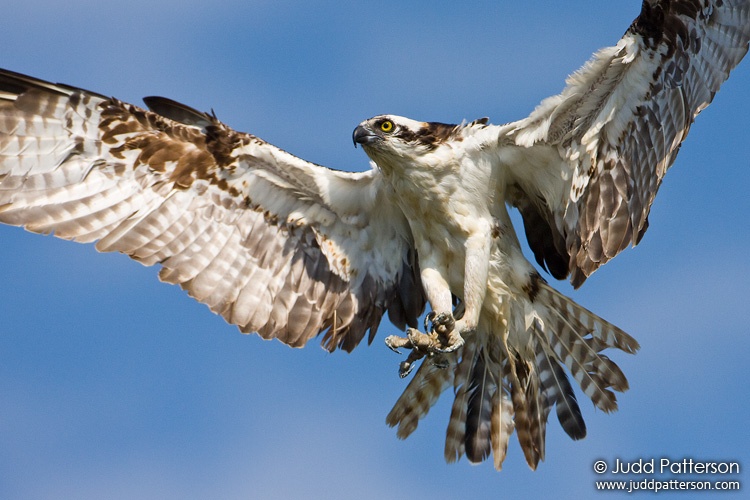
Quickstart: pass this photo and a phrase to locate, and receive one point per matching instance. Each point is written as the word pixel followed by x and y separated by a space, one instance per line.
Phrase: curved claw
pixel 405 368
pixel 394 342
pixel 429 318
pixel 442 323
pixel 455 341
pixel 428 344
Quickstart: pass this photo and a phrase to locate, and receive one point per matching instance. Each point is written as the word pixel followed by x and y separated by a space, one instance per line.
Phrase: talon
pixel 405 368
pixel 444 323
pixel 455 341
pixel 429 344
pixel 429 318
pixel 394 342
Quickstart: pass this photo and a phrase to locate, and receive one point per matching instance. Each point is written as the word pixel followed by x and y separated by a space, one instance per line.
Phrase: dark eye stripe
pixel 431 135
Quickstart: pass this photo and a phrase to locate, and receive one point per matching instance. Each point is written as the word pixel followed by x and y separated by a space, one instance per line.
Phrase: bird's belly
pixel 441 224
pixel 444 250
pixel 438 224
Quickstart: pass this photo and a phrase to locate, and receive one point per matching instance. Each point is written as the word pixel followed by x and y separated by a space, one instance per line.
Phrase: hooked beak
pixel 362 135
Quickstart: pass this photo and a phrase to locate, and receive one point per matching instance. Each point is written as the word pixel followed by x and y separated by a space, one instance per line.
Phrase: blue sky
pixel 115 385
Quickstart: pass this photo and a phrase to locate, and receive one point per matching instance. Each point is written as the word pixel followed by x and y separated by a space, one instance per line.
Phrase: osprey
pixel 292 250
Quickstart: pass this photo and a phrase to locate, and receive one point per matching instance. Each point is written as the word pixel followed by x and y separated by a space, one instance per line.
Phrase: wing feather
pixel 274 244
pixel 593 157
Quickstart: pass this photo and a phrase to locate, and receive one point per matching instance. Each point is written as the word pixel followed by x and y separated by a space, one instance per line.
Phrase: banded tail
pixel 499 386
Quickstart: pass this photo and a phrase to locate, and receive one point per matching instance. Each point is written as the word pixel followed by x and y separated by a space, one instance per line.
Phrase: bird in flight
pixel 292 250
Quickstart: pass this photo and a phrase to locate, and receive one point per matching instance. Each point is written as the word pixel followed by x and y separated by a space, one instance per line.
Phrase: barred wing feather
pixel 617 128
pixel 274 244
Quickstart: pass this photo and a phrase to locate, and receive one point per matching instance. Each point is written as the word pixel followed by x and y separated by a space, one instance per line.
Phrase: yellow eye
pixel 386 126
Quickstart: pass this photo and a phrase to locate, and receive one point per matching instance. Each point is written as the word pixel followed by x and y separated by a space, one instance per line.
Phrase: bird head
pixel 386 138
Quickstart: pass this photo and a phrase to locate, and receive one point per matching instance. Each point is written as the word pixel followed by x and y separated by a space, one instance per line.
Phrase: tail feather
pixel 482 388
pixel 556 386
pixel 566 324
pixel 586 321
pixel 455 435
pixel 501 425
pixel 525 419
pixel 420 395
pixel 536 399
pixel 509 375
pixel 455 438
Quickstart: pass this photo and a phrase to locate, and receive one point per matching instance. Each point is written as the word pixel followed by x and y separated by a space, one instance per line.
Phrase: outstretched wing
pixel 274 244
pixel 593 157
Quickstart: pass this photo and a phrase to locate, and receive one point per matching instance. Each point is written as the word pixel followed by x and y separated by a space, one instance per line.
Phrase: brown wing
pixel 616 129
pixel 273 243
